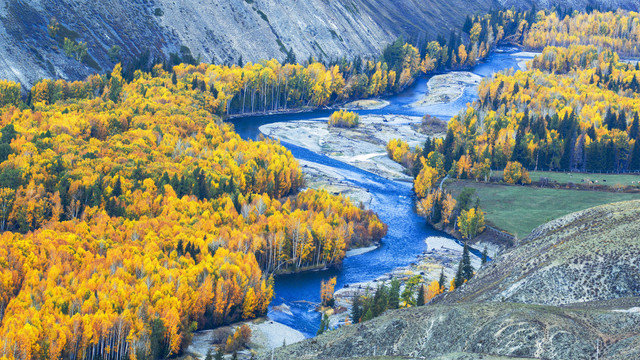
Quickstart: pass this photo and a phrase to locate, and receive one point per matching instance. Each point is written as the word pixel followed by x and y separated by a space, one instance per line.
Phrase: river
pixel 392 200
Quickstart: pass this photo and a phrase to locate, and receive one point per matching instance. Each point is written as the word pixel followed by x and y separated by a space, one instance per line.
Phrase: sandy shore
pixel 360 251
pixel 447 88
pixel 523 58
pixel 319 176
pixel 265 335
pixel 363 147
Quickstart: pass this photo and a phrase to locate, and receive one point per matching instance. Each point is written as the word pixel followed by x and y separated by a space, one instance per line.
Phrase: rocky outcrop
pixel 220 31
pixel 571 290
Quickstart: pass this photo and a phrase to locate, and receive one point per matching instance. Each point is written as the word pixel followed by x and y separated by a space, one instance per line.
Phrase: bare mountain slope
pixel 221 31
pixel 479 331
pixel 215 30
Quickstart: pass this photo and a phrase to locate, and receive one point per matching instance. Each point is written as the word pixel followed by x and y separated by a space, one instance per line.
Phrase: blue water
pixel 392 200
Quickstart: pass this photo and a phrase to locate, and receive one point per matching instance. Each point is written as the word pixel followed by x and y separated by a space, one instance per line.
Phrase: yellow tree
pixel 433 290
pixel 448 205
pixel 326 291
pixel 514 173
pixel 425 180
pixel 462 55
pixel 471 222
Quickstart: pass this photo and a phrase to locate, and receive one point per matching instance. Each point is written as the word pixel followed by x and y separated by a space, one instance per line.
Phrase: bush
pixel 514 173
pixel 74 49
pixel 345 119
pixel 239 339
pixel 114 53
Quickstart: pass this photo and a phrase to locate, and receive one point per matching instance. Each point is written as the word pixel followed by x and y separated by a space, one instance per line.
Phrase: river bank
pixel 323 165
pixel 441 256
pixel 361 104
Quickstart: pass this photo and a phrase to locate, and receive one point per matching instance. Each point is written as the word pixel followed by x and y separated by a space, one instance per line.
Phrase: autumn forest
pixel 132 214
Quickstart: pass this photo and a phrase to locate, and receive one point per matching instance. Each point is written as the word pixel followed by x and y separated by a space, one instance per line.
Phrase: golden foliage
pixel 137 216
pixel 345 119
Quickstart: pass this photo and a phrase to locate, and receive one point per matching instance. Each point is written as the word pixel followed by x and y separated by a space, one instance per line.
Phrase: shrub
pixel 239 339
pixel 514 173
pixel 345 119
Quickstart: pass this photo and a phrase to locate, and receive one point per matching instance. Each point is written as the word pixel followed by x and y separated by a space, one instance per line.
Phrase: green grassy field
pixel 520 209
pixel 576 178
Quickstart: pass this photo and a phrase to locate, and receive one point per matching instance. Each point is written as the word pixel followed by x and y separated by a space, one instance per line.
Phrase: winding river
pixel 391 200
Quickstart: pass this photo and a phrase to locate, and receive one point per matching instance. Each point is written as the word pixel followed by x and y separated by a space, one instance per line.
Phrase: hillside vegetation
pixel 574 109
pixel 562 271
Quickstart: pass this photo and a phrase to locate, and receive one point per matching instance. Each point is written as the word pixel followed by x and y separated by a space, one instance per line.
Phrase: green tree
pixel 114 53
pixel 368 315
pixel 465 269
pixel 465 199
pixel 420 300
pixel 394 294
pixel 381 300
pixel 219 353
pixel 209 354
pixel 443 279
pixel 324 324
pixel 634 163
pixel 634 130
pixel 356 310
pixel 484 256
pixel 409 290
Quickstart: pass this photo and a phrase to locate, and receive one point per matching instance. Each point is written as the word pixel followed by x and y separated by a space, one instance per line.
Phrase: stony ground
pixel 265 335
pixel 363 147
pixel 497 329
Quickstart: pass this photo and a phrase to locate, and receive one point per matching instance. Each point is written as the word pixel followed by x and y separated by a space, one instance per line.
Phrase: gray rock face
pixel 222 31
pixel 218 31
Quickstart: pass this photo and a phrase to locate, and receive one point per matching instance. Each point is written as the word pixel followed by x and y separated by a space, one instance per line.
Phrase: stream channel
pixel 392 200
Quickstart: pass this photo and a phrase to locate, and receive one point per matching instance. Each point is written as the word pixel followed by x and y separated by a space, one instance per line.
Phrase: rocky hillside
pixel 586 256
pixel 570 291
pixel 492 329
pixel 218 31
